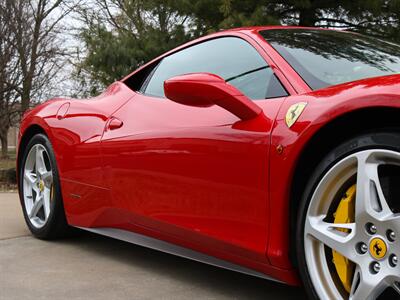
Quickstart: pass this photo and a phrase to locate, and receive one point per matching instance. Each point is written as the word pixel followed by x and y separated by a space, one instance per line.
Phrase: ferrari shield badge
pixel 294 113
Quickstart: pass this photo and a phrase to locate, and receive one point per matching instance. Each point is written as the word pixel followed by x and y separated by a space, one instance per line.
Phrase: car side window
pixel 232 58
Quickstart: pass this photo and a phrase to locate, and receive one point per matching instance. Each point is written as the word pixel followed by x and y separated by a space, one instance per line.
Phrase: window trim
pixel 159 60
pixel 148 77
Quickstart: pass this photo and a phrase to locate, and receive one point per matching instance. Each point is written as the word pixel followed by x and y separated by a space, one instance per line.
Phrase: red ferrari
pixel 273 151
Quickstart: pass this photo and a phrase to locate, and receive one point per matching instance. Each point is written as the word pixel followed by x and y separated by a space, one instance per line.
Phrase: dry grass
pixel 8 188
pixel 8 163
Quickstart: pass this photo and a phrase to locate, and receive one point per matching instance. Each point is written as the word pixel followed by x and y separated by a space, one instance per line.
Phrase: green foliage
pixel 246 13
pixel 118 44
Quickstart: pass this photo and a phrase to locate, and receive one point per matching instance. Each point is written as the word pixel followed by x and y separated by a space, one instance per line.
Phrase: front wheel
pixel 348 236
pixel 40 191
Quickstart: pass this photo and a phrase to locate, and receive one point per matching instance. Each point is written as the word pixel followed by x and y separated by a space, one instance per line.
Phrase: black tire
pixel 56 225
pixel 385 139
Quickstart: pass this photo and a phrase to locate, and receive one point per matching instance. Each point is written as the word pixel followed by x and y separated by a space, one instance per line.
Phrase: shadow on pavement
pixel 189 273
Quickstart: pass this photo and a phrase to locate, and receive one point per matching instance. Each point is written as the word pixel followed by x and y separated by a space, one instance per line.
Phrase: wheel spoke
pixel 47 177
pixel 396 287
pixel 365 286
pixel 393 222
pixel 332 235
pixel 46 202
pixel 30 177
pixel 370 199
pixel 39 162
pixel 36 207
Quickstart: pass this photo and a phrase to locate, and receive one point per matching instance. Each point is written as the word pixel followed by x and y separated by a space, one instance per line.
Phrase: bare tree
pixel 36 28
pixel 30 54
pixel 9 77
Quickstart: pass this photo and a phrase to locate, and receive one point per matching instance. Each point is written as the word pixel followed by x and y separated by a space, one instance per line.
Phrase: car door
pixel 198 176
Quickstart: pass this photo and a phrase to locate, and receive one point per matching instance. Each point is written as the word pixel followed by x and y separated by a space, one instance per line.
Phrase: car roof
pixel 247 31
pixel 271 27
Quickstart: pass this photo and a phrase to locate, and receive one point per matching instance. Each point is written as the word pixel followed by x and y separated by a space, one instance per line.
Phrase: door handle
pixel 114 123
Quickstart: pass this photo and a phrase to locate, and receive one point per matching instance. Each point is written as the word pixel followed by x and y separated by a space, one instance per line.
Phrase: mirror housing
pixel 206 89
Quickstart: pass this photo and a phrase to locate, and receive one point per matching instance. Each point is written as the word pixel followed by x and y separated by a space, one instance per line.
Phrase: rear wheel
pixel 348 239
pixel 40 191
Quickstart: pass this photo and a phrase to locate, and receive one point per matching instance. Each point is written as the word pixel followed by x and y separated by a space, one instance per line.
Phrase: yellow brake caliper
pixel 52 193
pixel 345 214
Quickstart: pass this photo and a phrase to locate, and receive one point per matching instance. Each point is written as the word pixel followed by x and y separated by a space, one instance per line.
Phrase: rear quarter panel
pixel 74 128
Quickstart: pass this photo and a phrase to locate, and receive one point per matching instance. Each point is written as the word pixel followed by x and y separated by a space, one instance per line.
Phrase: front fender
pixel 323 107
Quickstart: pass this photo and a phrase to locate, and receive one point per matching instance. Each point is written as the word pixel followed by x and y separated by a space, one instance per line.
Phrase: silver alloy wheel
pixel 371 207
pixel 37 185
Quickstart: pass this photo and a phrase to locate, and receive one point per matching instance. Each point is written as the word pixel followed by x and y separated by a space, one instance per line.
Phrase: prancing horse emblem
pixel 378 248
pixel 294 113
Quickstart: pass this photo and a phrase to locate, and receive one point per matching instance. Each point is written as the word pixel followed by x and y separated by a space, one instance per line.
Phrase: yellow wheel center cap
pixel 41 185
pixel 377 248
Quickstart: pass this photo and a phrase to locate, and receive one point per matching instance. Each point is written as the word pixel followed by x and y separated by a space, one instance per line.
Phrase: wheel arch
pixel 333 133
pixel 26 136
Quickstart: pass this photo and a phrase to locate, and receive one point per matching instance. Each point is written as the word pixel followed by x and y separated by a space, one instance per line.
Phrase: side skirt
pixel 166 247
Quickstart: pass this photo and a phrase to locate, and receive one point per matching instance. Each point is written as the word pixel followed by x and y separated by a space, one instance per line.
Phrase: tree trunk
pixel 25 97
pixel 308 17
pixel 4 145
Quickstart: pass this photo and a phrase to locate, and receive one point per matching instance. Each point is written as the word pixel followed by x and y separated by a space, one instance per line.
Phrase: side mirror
pixel 205 89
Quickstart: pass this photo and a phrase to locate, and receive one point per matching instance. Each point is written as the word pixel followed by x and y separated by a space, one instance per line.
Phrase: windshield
pixel 324 57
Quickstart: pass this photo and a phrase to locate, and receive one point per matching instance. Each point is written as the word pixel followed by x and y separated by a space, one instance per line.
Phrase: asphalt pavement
pixel 95 267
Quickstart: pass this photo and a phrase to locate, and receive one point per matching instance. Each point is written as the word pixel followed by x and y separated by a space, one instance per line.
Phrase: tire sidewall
pixel 388 140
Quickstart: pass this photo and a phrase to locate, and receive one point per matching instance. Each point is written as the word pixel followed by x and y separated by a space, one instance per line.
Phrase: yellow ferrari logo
pixel 294 113
pixel 377 248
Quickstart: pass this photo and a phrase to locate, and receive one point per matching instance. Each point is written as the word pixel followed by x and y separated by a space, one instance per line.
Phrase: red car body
pixel 200 178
